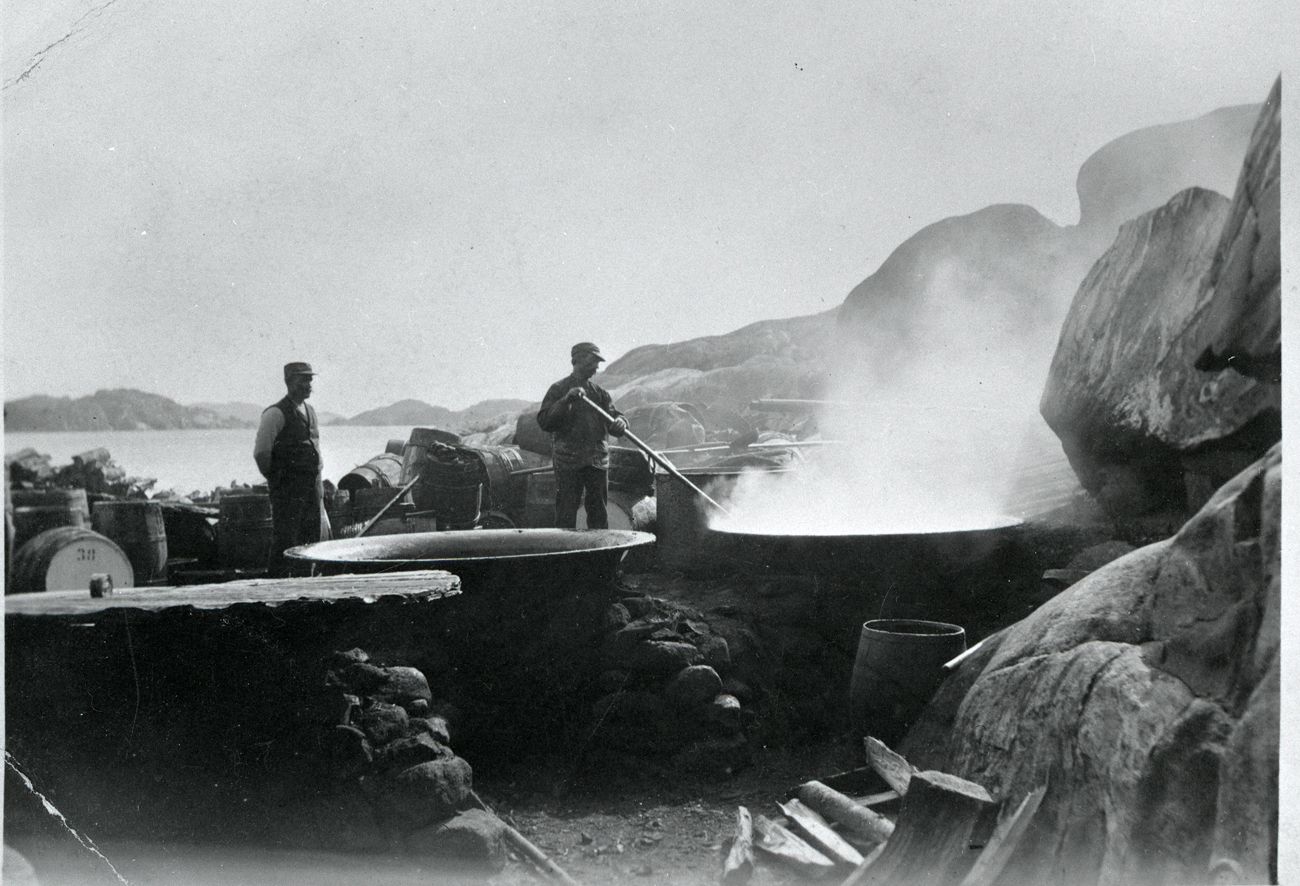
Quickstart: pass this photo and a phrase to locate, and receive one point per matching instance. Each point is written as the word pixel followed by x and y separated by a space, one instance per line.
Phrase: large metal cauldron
pixel 851 554
pixel 480 556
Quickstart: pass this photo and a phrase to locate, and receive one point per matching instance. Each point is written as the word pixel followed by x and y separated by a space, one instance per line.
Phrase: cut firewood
pixel 739 865
pixel 817 832
pixel 895 770
pixel 1006 837
pixel 879 799
pixel 931 841
pixel 778 842
pixel 855 818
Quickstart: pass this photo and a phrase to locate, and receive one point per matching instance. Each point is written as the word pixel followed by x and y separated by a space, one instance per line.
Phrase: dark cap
pixel 292 369
pixel 584 347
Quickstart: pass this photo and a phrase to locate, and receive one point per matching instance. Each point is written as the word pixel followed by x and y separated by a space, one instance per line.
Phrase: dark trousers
pixel 295 520
pixel 584 486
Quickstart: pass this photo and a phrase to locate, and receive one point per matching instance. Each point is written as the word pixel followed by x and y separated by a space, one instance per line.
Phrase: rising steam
pixel 934 418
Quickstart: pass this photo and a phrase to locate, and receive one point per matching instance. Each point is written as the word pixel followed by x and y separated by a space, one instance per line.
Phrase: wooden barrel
pixel 382 471
pixel 506 486
pixel 36 510
pixel 451 488
pixel 137 528
pixel 898 668
pixel 244 534
pixel 64 558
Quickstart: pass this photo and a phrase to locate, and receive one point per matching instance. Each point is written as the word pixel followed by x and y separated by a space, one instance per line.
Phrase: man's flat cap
pixel 292 369
pixel 582 348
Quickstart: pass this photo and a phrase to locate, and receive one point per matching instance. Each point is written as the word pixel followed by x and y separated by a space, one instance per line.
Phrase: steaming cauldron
pixel 851 553
pixel 481 556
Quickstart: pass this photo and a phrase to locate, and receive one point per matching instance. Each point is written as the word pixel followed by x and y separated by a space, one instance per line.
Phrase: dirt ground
pixel 617 824
pixel 611 822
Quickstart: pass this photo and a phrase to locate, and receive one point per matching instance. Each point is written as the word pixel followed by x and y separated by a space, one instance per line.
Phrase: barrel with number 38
pixel 64 559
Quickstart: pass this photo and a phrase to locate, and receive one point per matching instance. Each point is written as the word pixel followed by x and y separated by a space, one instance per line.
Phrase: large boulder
pixel 1146 698
pixel 1163 382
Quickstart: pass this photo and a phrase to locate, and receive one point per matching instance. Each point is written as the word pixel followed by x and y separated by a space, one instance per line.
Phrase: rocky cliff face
pixel 1144 169
pixel 1161 386
pixel 1146 698
pixel 774 358
pixel 957 296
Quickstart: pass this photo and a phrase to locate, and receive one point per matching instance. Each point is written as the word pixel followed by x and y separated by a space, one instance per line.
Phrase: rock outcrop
pixel 1146 697
pixel 1162 384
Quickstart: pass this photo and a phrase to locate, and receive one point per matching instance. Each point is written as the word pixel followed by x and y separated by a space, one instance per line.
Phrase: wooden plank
pixel 895 770
pixel 931 841
pixel 1006 837
pixel 739 864
pixel 819 834
pixel 423 585
pixel 778 842
pixel 852 816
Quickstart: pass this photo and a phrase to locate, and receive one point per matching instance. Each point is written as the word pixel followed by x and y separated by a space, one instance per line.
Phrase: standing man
pixel 580 455
pixel 287 452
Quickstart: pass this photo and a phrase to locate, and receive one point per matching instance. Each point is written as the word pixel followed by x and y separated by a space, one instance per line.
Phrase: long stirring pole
pixel 656 457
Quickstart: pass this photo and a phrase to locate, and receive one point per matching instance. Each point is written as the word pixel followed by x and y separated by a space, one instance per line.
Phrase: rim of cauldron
pixel 343 551
pixel 1006 522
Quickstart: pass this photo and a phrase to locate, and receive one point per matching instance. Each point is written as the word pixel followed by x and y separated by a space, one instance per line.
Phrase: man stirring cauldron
pixel 287 452
pixel 579 452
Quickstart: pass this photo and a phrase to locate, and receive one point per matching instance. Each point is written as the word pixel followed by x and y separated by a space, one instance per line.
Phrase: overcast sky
pixel 435 200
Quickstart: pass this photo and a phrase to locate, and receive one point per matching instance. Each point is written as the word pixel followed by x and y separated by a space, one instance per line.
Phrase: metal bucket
pixel 898 668
pixel 137 528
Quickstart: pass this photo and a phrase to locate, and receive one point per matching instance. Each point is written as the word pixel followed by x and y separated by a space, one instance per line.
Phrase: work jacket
pixel 577 431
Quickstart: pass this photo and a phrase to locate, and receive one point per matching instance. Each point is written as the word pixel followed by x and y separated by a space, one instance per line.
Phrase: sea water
pixel 201 460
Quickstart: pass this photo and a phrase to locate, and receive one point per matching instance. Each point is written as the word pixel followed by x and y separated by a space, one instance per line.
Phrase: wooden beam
pixel 931 842
pixel 895 770
pixel 776 841
pixel 1006 837
pixel 416 586
pixel 852 816
pixel 819 834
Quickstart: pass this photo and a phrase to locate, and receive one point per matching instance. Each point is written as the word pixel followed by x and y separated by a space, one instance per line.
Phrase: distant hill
pixel 404 412
pixel 417 413
pixel 251 412
pixel 123 409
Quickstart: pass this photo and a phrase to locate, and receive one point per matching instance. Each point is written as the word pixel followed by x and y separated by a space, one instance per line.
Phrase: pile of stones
pixel 666 690
pixel 390 739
